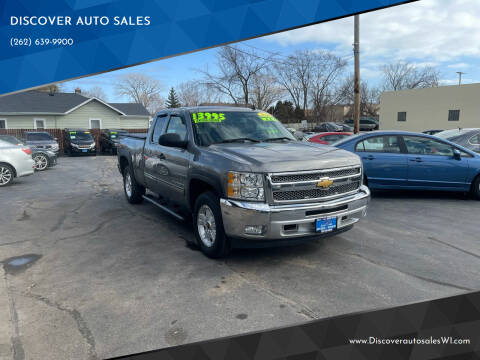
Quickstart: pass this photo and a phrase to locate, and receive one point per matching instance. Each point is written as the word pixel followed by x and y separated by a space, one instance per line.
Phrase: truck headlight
pixel 245 186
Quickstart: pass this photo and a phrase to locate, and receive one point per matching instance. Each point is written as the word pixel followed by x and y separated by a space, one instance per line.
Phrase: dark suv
pixel 109 140
pixel 41 140
pixel 78 141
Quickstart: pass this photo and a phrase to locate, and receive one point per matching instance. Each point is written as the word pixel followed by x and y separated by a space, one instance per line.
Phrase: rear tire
pixel 476 188
pixel 133 191
pixel 6 175
pixel 208 226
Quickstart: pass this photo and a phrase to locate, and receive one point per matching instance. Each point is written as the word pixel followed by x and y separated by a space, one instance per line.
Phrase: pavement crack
pixel 438 282
pixel 77 317
pixel 300 308
pixel 17 345
pixel 454 247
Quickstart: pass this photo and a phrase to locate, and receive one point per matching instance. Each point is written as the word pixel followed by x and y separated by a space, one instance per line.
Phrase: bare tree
pixel 236 71
pixel 141 89
pixel 96 92
pixel 403 75
pixel 369 97
pixel 191 93
pixel 265 91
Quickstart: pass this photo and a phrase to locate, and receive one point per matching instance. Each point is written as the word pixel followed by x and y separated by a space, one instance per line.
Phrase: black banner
pixel 447 328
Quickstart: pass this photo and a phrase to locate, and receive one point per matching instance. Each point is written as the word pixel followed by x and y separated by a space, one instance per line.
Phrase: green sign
pixel 206 117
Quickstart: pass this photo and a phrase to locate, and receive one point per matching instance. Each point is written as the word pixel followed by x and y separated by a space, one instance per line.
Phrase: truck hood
pixel 284 157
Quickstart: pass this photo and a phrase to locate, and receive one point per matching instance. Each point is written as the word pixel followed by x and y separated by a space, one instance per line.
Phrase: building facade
pixel 442 108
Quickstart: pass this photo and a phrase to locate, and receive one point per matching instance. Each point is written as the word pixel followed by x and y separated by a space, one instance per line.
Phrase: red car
pixel 328 137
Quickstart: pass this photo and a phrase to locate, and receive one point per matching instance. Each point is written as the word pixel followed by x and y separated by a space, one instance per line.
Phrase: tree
pixel 369 97
pixel 264 90
pixel 236 71
pixel 403 75
pixel 286 112
pixel 141 89
pixel 172 100
pixel 191 93
pixel 52 88
pixel 96 92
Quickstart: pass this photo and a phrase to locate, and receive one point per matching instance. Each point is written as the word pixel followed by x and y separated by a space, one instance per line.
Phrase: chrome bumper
pixel 299 218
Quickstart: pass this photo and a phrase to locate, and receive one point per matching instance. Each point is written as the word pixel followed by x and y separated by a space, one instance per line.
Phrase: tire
pixel 41 162
pixel 133 191
pixel 208 226
pixel 6 175
pixel 476 188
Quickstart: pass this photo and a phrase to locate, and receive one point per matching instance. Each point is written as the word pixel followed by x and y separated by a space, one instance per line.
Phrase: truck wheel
pixel 208 226
pixel 133 191
pixel 6 174
pixel 476 188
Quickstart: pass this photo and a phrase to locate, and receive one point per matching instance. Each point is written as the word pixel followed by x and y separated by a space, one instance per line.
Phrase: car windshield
pixel 10 139
pixel 80 135
pixel 451 134
pixel 116 133
pixel 38 137
pixel 214 127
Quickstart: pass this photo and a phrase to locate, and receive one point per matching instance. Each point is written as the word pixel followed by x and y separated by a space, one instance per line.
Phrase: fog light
pixel 254 229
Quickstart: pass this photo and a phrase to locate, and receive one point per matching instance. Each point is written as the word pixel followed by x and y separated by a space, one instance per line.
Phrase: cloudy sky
pixel 440 33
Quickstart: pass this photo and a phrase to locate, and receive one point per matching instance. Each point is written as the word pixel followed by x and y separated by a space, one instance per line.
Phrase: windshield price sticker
pixel 266 117
pixel 201 117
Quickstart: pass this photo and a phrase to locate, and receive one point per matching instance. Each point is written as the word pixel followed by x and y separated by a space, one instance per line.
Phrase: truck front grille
pixel 307 186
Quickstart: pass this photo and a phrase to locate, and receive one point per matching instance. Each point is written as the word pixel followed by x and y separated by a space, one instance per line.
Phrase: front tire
pixel 208 226
pixel 41 162
pixel 133 191
pixel 6 175
pixel 476 188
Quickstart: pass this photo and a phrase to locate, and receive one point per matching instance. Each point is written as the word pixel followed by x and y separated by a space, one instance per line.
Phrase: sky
pixel 440 33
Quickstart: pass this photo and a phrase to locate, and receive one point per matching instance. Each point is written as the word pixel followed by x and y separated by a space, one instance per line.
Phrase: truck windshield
pixel 231 126
pixel 38 136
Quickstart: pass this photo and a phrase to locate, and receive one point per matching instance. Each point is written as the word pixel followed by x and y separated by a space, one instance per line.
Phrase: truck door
pixel 153 165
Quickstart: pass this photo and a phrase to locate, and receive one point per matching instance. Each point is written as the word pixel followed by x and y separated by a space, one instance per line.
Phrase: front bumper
pixel 80 151
pixel 291 221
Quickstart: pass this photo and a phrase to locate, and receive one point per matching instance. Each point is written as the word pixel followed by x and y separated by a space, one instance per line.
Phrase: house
pixel 442 108
pixel 45 110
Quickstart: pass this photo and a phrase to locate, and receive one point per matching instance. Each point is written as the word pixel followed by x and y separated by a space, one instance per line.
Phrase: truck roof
pixel 208 108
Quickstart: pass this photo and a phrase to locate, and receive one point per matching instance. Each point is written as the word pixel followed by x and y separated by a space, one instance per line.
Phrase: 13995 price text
pixel 28 42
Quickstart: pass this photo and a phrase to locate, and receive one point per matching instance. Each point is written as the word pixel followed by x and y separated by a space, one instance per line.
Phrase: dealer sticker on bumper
pixel 325 225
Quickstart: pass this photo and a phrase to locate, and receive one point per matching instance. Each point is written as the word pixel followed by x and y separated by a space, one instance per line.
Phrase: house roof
pixel 40 102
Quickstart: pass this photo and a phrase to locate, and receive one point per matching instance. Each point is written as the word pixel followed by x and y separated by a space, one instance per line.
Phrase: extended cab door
pixel 153 166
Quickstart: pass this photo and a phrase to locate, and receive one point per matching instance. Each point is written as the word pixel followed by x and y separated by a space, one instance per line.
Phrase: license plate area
pixel 84 150
pixel 326 224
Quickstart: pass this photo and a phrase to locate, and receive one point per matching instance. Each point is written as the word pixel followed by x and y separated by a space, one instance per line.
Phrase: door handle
pixel 161 156
pixel 417 160
pixel 369 157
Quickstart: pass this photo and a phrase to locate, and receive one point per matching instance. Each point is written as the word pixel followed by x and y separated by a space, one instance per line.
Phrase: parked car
pixel 43 159
pixel 242 177
pixel 11 139
pixel 328 127
pixel 431 132
pixel 407 160
pixel 78 141
pixel 41 140
pixel 328 137
pixel 15 161
pixel 366 123
pixel 469 138
pixel 109 140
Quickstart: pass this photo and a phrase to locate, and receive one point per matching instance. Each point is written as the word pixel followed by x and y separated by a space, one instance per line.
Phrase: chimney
pixel 78 91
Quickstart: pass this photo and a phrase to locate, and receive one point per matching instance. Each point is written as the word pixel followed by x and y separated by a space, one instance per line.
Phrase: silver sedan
pixel 15 161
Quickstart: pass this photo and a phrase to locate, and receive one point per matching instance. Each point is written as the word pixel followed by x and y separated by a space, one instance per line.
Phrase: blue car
pixel 406 160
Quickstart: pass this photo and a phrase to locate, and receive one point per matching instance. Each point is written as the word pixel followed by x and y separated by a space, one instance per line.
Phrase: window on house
pixel 453 115
pixel 402 116
pixel 95 124
pixel 3 123
pixel 39 124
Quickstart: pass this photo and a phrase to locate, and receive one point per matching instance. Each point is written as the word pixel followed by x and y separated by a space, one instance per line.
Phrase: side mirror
pixel 457 155
pixel 172 140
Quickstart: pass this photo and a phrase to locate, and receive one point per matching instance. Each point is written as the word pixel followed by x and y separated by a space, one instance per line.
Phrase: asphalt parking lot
pixel 85 275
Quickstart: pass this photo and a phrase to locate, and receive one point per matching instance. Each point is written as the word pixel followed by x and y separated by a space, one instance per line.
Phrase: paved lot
pixel 106 278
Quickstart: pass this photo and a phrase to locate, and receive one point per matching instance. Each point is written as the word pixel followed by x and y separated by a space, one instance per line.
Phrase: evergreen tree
pixel 172 100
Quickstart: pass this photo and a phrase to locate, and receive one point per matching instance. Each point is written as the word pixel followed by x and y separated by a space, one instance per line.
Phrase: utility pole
pixel 460 73
pixel 356 80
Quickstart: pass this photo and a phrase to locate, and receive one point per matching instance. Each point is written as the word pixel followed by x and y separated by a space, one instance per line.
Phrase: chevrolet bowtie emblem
pixel 324 183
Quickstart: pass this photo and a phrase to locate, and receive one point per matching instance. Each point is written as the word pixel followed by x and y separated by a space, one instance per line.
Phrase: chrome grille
pixel 301 186
pixel 315 176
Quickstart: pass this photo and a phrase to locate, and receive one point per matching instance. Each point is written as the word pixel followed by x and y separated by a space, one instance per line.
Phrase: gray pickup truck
pixel 242 178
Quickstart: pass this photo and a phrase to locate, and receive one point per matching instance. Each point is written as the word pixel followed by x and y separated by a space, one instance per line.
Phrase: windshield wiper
pixel 239 139
pixel 279 138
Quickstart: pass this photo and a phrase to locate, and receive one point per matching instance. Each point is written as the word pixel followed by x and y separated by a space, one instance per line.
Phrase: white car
pixel 15 161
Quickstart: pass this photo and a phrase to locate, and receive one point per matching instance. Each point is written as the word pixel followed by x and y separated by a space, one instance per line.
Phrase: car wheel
pixel 476 188
pixel 6 174
pixel 133 191
pixel 208 226
pixel 41 162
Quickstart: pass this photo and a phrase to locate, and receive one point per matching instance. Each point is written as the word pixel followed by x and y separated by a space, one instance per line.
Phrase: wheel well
pixel 473 181
pixel 196 188
pixel 123 163
pixel 13 167
pixel 365 180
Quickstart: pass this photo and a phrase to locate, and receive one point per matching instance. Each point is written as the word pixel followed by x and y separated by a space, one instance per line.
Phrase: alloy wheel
pixel 41 162
pixel 207 228
pixel 5 175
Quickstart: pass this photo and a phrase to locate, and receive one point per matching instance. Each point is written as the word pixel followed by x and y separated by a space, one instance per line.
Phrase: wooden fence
pixel 59 134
